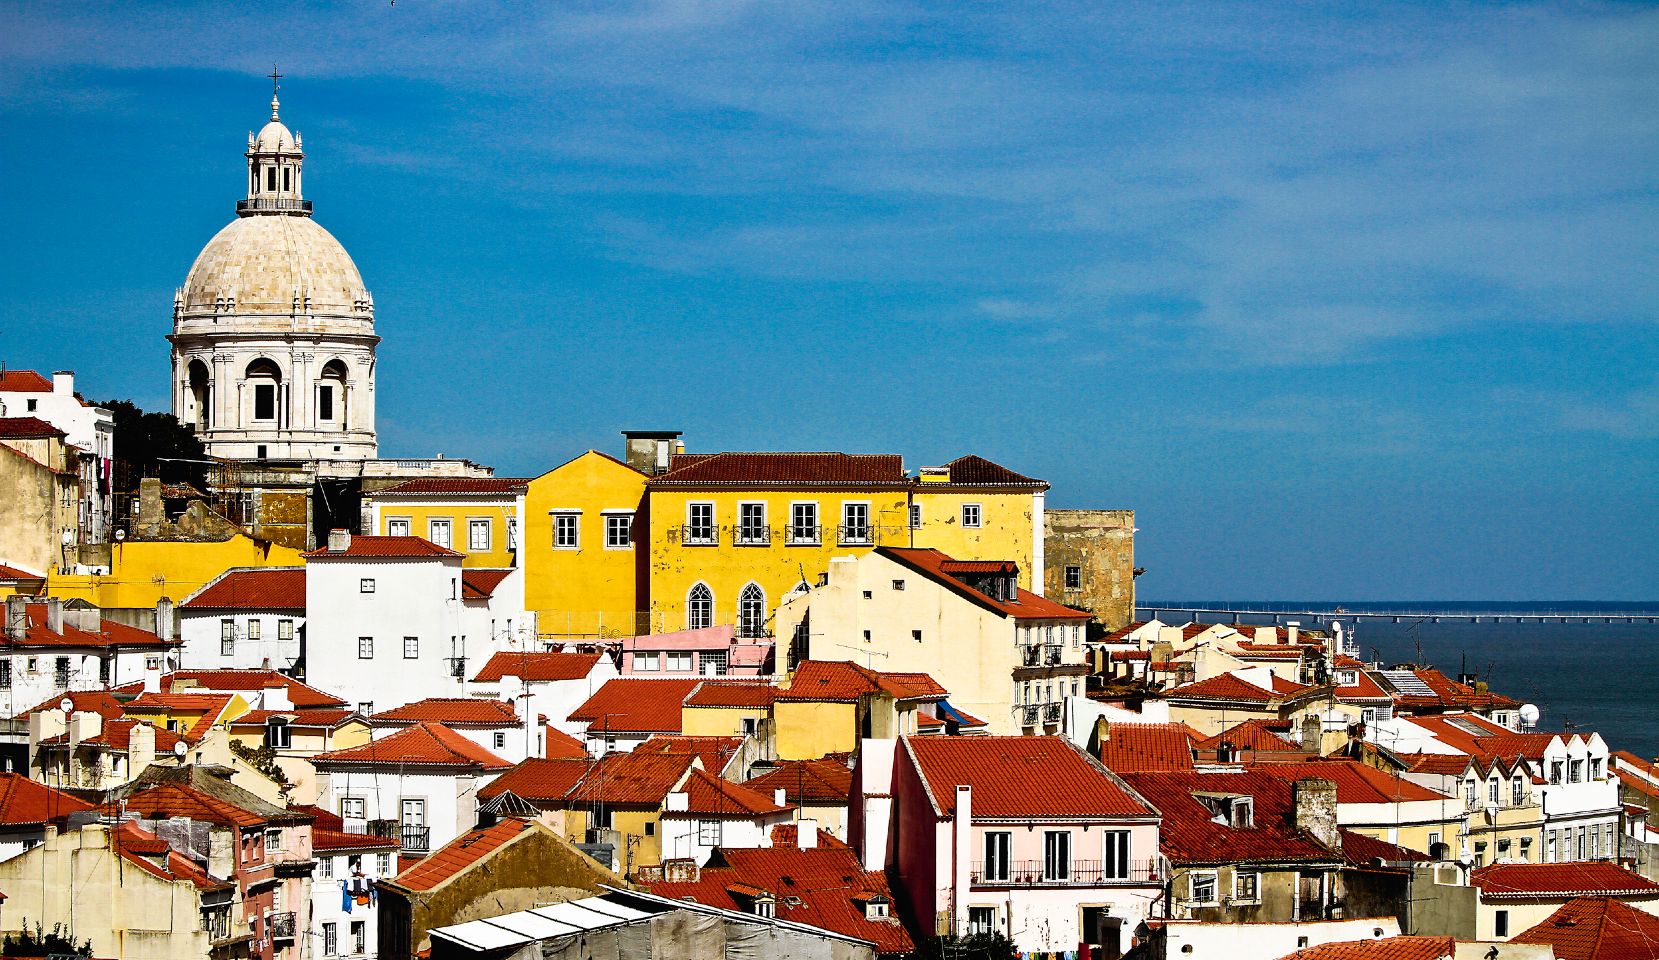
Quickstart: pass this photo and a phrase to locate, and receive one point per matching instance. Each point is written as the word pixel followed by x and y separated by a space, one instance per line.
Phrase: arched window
pixel 265 384
pixel 331 395
pixel 699 607
pixel 751 611
pixel 201 394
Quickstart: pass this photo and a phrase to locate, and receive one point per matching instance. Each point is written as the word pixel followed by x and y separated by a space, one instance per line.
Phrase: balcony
pixel 273 205
pixel 752 535
pixel 1031 656
pixel 1029 716
pixel 854 535
pixel 1051 713
pixel 458 667
pixel 1078 873
pixel 800 534
pixel 413 839
pixel 1051 656
pixel 280 926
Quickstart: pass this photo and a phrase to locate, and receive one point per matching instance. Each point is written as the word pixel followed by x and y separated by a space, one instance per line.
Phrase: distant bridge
pixel 1232 615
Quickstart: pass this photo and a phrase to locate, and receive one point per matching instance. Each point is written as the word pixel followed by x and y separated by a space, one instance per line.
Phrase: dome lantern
pixel 275 159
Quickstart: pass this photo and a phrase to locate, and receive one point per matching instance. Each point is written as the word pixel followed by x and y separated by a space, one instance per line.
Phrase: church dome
pixel 265 262
pixel 274 137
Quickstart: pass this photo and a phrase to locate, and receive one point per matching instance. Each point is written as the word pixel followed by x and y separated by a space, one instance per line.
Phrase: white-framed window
pixel 1595 768
pixel 273 841
pixel 1556 768
pixel 1500 923
pixel 970 515
pixel 1469 792
pixel 440 533
pixel 365 707
pixel 1492 790
pixel 619 531
pixel 383 864
pixel 1368 716
pixel 1247 886
pixel 751 524
pixel 365 585
pixel 227 638
pixel 397 526
pixel 1076 636
pixel 411 648
pixel 645 661
pixel 998 845
pixel 360 935
pixel 677 661
pixel 285 629
pixel 253 629
pixel 699 607
pixel 1115 866
pixel 751 611
pixel 365 648
pixel 699 523
pixel 478 535
pixel 1074 577
pixel 325 868
pixel 855 522
pixel 708 833
pixel 567 530
pixel 1575 771
pixel 981 920
pixel 500 740
pixel 331 939
pixel 803 522
pixel 1056 854
pixel 915 516
pixel 1201 887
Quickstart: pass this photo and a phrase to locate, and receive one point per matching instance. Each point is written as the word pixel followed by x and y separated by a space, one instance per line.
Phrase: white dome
pixel 274 137
pixel 265 262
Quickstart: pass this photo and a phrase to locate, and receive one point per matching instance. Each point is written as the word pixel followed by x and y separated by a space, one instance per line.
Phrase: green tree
pixel 39 943
pixel 978 946
pixel 154 445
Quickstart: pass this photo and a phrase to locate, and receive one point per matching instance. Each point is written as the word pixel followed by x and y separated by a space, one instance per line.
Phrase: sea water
pixel 1582 676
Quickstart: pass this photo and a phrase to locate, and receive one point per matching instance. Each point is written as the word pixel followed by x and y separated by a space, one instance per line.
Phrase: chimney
pixel 779 797
pixel 164 619
pixel 806 834
pixel 1292 628
pixel 1314 802
pixel 961 829
pixel 648 451
pixel 44 725
pixel 339 540
pixel 1312 733
pixel 17 617
pixel 152 678
pixel 54 614
pixel 275 697
pixel 141 748
pixel 63 383
pixel 84 725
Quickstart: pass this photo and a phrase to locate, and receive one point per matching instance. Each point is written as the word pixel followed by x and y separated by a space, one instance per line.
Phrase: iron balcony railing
pixel 801 533
pixel 751 535
pixel 458 667
pixel 1074 873
pixel 273 205
pixel 411 838
pixel 1051 713
pixel 1031 656
pixel 1051 656
pixel 280 926
pixel 1030 717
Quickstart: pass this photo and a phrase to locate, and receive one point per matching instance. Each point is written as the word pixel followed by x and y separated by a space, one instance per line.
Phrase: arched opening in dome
pixel 331 395
pixel 263 396
pixel 201 394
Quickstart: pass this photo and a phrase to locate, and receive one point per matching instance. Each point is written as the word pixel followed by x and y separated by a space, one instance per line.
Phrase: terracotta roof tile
pixel 472 486
pixel 363 546
pixel 209 708
pixel 1448 694
pixel 708 795
pixel 785 469
pixel 479 583
pixel 1383 948
pixel 1020 777
pixel 102 702
pixel 149 853
pixel 556 665
pixel 973 470
pixel 110 634
pixel 424 743
pixel 1189 833
pixel 631 779
pixel 452 712
pixel 304 717
pixel 558 745
pixel 1224 686
pixel 24 381
pixel 938 567
pixel 1355 782
pixel 787 834
pixel 538 779
pixel 117 735
pixel 1518 881
pixel 10 573
pixel 271 588
pixel 27 428
pixel 816 782
pixel 1253 734
pixel 300 694
pixel 25 802
pixel 714 751
pixel 325 839
pixel 727 694
pixel 836 681
pixel 1444 764
pixel 461 853
pixel 1360 850
pixel 1147 746
pixel 636 705
pixel 1597 928
pixel 166 800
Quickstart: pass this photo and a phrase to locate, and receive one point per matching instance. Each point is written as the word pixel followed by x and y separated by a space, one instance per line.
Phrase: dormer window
pixel 1236 812
pixel 876 907
pixel 1347 678
pixel 277 734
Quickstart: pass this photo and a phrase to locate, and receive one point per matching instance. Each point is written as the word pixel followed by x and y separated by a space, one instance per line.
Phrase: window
pixel 1595 768
pixel 1057 855
pixel 1492 790
pixel 478 535
pixel 365 707
pixel 325 402
pixel 359 936
pixel 33 405
pixel 277 734
pixel 619 529
pixel 325 868
pixel 712 663
pixel 916 635
pixel 6 674
pixel 1074 578
pixel 253 630
pixel 751 523
pixel 1368 716
pixel 1556 767
pixel 1469 792
pixel 1582 844
pixel 1241 812
pixel 397 526
pixel 970 514
pixel 855 523
pixel 645 662
pixel 1201 887
pixel 1247 886
pixel 1517 791
pixel 383 864
pixel 915 516
pixel 351 808
pixel 365 648
pixel 708 833
pixel 264 401
pixel 997 845
pixel 1500 923
pixel 1116 864
pixel 285 629
pixel 331 939
pixel 499 739
pixel 1575 771
pixel 678 661
pixel 699 523
pixel 438 531
pixel 227 638
pixel 803 523
pixel 273 841
pixel 981 920
pixel 751 611
pixel 411 648
pixel 567 529
pixel 365 585
pixel 699 607
pixel 512 533
pixel 1076 636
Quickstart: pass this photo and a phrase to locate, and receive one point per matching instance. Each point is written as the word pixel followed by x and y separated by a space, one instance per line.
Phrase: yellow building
pixel 728 535
pixel 190 715
pixel 42 494
pixel 477 516
pixel 144 571
pixel 726 709
pixel 580 570
pixel 829 706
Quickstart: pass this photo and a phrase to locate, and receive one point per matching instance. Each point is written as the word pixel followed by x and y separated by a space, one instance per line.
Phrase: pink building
pixel 705 652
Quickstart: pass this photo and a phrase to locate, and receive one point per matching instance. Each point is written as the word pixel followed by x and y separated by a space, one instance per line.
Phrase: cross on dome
pixel 275 86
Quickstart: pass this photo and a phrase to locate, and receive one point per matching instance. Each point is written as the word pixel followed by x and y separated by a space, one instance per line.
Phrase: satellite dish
pixel 120 535
pixel 66 705
pixel 179 749
pixel 1528 714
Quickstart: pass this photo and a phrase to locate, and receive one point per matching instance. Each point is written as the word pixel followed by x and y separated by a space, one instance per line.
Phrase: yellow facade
pixel 144 571
pixel 807 730
pixel 719 721
pixel 585 588
pixel 1006 525
pixel 483 529
pixel 181 719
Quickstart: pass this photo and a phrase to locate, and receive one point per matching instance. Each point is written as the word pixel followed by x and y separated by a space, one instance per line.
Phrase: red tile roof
pixel 827 884
pixel 558 745
pixel 479 584
pixel 1597 928
pixel 101 702
pixel 1382 948
pixel 1020 777
pixel 1355 782
pixel 1360 850
pixel 787 834
pixel 1590 878
pixel 977 471
pixel 1445 764
pixel 166 800
pixel 117 735
pixel 820 782
pixel 452 712
pixel 1124 633
pixel 424 744
pixel 462 853
pixel 1147 746
pixel 208 706
pixel 371 546
pixel 303 717
pixel 538 779
pixel 300 694
pixel 325 839
pixel 728 694
pixel 938 567
pixel 10 573
pixel 714 751
pixel 110 634
pixel 1448 694
pixel 150 853
pixel 835 681
pixel 1223 686
pixel 554 665
pixel 1189 833
pixel 473 486
pixel 708 795
pixel 269 588
pixel 631 779
pixel 1253 734
pixel 785 470
pixel 635 705
pixel 24 381
pixel 27 428
pixel 25 802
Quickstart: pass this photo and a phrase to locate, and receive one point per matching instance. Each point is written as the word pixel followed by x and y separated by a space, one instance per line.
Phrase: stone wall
pixel 1100 547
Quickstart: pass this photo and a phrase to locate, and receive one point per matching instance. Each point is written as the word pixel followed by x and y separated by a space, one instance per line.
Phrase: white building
pixel 704 811
pixel 51 647
pixel 273 331
pixel 25 393
pixel 550 684
pixel 493 724
pixel 247 618
pixel 348 864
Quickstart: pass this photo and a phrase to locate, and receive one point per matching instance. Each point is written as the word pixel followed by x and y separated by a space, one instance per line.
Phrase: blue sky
pixel 1348 301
